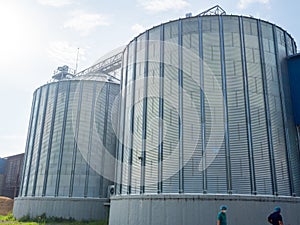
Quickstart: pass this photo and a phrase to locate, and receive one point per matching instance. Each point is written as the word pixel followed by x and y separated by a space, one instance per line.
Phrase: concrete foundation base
pixel 76 208
pixel 200 209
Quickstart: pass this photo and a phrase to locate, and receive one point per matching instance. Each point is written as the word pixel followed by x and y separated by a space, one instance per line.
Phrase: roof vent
pixel 187 15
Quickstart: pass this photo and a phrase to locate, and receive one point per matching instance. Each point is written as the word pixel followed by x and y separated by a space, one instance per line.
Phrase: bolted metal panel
pixel 69 130
pixel 220 67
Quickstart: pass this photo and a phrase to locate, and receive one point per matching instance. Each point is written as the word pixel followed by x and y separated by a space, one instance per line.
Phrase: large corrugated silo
pixel 206 119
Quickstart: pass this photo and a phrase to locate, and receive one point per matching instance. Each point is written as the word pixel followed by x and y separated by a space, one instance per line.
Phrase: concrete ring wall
pixel 199 209
pixel 76 208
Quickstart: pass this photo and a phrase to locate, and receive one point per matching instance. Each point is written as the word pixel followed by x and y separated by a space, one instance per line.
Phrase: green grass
pixel 8 217
pixel 41 220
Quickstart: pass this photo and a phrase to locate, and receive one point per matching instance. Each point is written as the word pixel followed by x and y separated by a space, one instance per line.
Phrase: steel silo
pixel 206 115
pixel 70 149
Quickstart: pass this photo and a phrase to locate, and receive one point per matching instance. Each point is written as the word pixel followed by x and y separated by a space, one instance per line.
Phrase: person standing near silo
pixel 275 218
pixel 222 216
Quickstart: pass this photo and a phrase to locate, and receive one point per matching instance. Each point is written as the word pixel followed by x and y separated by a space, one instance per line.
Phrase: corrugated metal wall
pixel 219 121
pixel 70 139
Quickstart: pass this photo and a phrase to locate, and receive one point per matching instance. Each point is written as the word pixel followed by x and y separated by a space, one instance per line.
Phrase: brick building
pixel 10 175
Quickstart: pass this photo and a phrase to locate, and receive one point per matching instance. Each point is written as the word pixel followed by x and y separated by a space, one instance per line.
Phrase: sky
pixel 37 36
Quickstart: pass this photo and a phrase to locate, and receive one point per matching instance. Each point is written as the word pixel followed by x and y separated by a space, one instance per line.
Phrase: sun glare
pixel 15 33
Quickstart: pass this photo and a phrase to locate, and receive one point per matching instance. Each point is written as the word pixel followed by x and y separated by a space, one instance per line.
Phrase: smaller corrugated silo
pixel 70 149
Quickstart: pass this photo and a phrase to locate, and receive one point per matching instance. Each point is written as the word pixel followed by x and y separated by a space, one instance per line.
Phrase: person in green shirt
pixel 222 216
